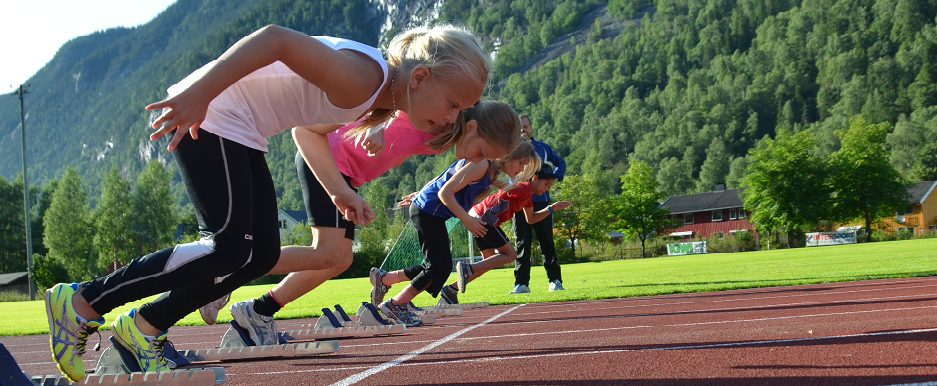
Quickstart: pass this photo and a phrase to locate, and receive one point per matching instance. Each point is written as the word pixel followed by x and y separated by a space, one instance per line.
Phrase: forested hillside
pixel 688 86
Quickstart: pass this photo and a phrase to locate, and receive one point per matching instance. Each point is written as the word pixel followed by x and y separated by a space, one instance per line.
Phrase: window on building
pixel 742 213
pixel 909 209
pixel 719 235
pixel 282 224
pixel 932 228
pixel 733 214
pixel 688 218
pixel 717 215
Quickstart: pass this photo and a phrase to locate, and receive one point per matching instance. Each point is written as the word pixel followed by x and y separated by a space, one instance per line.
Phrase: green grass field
pixel 600 280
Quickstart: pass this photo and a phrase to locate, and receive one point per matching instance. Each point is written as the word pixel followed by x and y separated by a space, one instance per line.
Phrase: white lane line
pixel 386 365
pixel 671 348
pixel 659 303
pixel 728 309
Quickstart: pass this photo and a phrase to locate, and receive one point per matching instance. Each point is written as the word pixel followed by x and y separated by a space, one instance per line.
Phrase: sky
pixel 31 31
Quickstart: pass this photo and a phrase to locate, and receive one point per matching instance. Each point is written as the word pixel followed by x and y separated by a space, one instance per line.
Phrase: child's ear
pixel 470 126
pixel 419 75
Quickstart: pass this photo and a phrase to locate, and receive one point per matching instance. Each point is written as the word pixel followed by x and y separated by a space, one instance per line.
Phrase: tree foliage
pixel 69 228
pixel 637 210
pixel 113 218
pixel 865 185
pixel 785 188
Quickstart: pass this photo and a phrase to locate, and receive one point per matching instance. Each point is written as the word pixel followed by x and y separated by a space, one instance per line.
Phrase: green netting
pixel 406 250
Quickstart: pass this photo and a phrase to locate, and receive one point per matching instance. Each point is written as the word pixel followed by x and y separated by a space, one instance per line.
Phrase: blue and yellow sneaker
pixel 147 349
pixel 68 332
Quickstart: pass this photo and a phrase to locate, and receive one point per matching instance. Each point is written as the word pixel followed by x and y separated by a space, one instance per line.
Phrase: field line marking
pixel 386 365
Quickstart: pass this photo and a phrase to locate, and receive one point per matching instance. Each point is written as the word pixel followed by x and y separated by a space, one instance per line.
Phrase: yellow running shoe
pixel 68 332
pixel 147 349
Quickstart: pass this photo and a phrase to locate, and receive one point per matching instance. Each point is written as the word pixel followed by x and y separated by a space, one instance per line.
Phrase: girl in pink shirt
pixel 357 160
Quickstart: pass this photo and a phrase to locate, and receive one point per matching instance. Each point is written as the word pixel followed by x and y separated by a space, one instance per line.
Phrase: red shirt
pixel 501 206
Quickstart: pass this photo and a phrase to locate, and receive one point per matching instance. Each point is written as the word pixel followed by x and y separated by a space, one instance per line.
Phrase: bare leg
pixel 491 260
pixel 309 267
pixel 409 292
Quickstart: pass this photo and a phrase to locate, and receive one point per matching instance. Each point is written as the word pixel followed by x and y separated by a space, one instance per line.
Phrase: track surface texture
pixel 875 332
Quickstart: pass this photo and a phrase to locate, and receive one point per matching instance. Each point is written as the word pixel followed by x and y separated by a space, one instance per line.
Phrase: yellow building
pixel 921 213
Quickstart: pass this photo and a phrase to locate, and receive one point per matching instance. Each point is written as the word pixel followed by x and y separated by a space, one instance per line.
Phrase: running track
pixel 876 332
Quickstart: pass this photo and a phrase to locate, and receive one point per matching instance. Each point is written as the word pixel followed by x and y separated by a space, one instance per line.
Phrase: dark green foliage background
pixel 687 86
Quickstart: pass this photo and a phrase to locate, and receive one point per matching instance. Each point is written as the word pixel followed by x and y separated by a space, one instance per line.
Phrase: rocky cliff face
pixel 400 15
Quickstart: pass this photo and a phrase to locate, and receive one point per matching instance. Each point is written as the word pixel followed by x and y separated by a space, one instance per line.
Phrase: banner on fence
pixel 831 238
pixel 686 248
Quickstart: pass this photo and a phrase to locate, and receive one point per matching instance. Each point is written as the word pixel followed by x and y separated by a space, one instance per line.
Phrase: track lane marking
pixel 594 352
pixel 386 365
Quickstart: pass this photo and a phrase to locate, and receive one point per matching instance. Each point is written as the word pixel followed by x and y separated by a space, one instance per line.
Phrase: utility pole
pixel 29 238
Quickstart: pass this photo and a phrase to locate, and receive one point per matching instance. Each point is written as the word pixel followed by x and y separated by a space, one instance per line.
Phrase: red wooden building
pixel 712 214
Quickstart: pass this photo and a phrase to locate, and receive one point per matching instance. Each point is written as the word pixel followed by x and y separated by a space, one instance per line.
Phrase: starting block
pixel 11 375
pixel 333 326
pixel 441 303
pixel 368 315
pixel 435 311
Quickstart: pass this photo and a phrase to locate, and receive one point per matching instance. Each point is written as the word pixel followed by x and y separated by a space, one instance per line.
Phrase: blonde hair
pixel 524 149
pixel 448 51
pixel 497 124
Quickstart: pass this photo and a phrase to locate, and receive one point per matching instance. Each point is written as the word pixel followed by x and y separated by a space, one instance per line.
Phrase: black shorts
pixel 494 238
pixel 319 207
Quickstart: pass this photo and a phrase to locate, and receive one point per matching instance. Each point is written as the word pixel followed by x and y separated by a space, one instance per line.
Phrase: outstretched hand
pixel 183 111
pixel 406 200
pixel 353 207
pixel 560 205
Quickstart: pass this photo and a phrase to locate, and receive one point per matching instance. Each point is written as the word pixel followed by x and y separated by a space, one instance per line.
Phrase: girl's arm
pixel 313 144
pixel 470 172
pixel 349 78
pixel 534 217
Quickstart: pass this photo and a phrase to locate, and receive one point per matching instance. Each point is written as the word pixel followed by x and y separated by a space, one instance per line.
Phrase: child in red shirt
pixel 493 210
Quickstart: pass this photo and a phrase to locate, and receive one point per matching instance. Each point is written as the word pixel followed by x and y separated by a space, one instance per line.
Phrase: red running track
pixel 876 332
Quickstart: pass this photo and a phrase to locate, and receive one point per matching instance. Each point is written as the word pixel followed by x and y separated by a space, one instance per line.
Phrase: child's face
pixel 475 148
pixel 435 103
pixel 512 168
pixel 541 186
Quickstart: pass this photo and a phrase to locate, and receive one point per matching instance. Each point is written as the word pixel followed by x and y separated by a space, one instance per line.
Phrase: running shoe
pixel 261 328
pixel 463 272
pixel 378 289
pixel 147 349
pixel 399 314
pixel 210 311
pixel 556 285
pixel 520 289
pixel 449 294
pixel 68 332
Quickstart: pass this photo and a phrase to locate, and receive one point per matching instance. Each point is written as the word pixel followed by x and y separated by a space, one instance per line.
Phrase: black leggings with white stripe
pixel 232 191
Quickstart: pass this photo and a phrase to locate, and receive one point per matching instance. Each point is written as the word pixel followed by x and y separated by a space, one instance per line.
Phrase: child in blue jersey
pixel 494 210
pixel 451 194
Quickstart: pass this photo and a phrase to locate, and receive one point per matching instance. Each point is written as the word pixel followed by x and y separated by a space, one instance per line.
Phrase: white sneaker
pixel 556 285
pixel 520 289
pixel 261 328
pixel 209 311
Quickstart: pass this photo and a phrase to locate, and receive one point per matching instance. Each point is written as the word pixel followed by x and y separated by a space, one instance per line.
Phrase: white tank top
pixel 274 98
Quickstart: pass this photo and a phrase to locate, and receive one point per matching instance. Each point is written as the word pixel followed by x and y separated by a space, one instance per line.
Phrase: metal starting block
pixel 117 365
pixel 236 338
pixel 189 377
pixel 342 326
pixel 367 315
pixel 436 311
pixel 441 303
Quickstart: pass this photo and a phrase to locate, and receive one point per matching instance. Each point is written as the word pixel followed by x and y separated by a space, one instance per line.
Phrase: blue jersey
pixel 548 156
pixel 428 198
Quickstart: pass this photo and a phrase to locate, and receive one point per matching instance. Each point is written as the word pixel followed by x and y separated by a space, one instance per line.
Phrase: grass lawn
pixel 600 280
